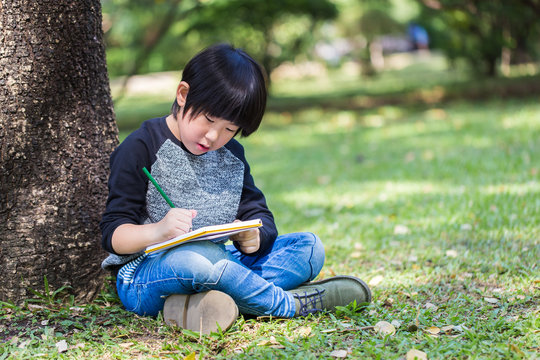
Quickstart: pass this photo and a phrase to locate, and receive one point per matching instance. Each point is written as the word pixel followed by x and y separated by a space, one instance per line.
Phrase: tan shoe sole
pixel 202 312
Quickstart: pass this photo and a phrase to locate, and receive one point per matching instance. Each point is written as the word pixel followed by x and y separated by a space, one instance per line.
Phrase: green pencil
pixel 158 187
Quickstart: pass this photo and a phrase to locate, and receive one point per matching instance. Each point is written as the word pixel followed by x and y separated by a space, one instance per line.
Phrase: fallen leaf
pixel 447 328
pixel 491 300
pixel 401 230
pixel 33 307
pixel 323 180
pixel 396 323
pixel 328 331
pixel 339 353
pixel 384 328
pixel 516 350
pixel 431 306
pixel 191 356
pixel 433 330
pixel 428 155
pixel 451 253
pixel 61 346
pixel 356 254
pixel 271 343
pixel 304 331
pixel 23 344
pixel 376 280
pixel 409 295
pixel 414 354
pixel 126 345
pixel 409 157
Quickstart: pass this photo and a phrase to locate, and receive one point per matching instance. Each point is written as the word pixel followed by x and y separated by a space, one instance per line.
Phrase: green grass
pixel 436 205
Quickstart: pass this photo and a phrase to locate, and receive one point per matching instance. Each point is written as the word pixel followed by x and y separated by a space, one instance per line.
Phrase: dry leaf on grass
pixel 414 354
pixel 303 331
pixel 396 323
pixel 491 300
pixel 339 353
pixel 384 328
pixel 271 343
pixel 431 306
pixel 451 253
pixel 61 346
pixel 401 230
pixel 433 330
pixel 191 356
pixel 376 280
pixel 447 328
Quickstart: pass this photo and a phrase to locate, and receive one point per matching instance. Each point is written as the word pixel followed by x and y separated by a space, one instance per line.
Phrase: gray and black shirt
pixel 217 184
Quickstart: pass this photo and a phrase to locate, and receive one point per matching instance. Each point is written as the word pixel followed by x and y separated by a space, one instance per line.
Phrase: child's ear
pixel 181 93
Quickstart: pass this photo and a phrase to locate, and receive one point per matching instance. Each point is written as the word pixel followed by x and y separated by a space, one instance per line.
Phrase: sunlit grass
pixel 437 206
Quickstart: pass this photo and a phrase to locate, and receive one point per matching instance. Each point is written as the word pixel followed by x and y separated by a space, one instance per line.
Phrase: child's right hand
pixel 176 222
pixel 131 238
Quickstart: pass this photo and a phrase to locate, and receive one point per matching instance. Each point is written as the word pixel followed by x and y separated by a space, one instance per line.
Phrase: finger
pixel 249 249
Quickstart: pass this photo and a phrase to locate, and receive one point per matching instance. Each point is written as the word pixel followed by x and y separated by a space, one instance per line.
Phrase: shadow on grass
pixel 414 95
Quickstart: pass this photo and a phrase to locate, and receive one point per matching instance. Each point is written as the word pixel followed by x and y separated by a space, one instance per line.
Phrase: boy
pixel 192 154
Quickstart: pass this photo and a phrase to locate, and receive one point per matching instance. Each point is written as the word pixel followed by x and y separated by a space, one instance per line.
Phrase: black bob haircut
pixel 227 83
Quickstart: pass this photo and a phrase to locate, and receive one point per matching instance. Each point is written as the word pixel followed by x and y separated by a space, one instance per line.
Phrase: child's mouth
pixel 202 147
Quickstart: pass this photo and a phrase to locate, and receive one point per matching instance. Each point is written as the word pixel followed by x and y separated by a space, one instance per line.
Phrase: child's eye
pixel 232 130
pixel 209 120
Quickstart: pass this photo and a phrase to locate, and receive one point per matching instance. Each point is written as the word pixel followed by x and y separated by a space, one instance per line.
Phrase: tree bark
pixel 57 130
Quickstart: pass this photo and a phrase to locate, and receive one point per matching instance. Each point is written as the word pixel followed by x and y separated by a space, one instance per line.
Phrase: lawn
pixel 434 200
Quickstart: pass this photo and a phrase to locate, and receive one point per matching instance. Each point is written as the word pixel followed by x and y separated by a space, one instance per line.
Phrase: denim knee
pixel 317 255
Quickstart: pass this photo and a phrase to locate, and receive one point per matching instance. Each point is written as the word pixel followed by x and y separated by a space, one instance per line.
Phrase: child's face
pixel 203 133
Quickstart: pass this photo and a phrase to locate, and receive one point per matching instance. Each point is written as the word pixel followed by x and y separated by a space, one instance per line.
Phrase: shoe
pixel 202 312
pixel 325 295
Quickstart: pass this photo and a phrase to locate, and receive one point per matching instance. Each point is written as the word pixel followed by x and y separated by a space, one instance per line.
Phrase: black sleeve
pixel 126 203
pixel 253 204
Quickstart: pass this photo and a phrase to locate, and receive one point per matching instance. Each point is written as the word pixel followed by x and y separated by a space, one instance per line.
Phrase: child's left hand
pixel 248 241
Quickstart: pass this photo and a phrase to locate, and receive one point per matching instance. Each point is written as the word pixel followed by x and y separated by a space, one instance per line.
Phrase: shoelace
pixel 308 302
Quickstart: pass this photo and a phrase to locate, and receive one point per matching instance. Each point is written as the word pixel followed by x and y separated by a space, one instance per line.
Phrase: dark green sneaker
pixel 325 295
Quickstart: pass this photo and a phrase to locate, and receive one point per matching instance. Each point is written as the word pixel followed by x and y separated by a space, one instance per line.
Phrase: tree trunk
pixel 57 130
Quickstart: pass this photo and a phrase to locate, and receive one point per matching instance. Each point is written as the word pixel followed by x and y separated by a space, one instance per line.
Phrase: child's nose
pixel 212 135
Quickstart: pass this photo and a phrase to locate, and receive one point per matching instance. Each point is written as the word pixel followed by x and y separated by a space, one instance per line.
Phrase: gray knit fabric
pixel 210 183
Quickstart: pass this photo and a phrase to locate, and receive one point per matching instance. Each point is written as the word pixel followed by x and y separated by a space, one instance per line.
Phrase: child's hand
pixel 176 222
pixel 248 241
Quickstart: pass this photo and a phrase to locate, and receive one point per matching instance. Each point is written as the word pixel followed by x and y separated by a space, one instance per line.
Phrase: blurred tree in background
pixel 157 35
pixel 362 23
pixel 484 33
pixel 154 35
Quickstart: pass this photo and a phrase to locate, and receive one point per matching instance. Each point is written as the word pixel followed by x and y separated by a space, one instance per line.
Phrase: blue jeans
pixel 256 283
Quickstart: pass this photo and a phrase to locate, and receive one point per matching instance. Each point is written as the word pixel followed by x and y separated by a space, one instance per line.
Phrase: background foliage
pixel 156 35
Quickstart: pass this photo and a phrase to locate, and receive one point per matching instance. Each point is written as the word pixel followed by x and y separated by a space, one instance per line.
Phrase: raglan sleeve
pixel 126 202
pixel 253 206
